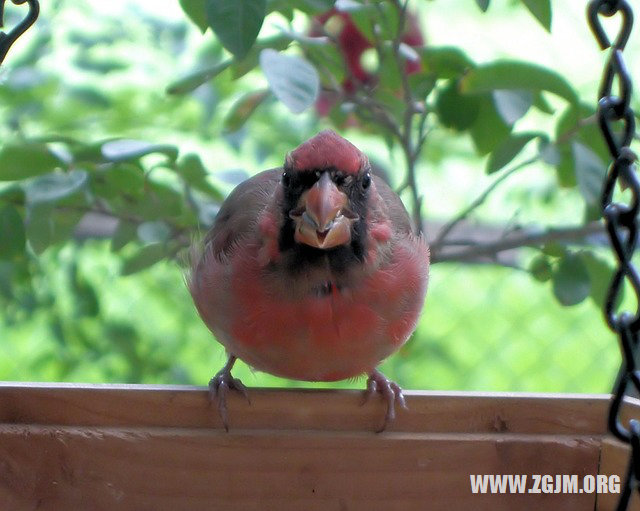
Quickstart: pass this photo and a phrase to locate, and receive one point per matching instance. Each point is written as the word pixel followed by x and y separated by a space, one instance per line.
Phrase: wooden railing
pixel 137 447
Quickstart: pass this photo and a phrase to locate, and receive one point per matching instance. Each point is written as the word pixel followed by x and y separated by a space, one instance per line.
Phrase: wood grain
pixel 112 447
pixel 326 410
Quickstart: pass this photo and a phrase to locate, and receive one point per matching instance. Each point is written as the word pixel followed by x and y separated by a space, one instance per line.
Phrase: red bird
pixel 312 272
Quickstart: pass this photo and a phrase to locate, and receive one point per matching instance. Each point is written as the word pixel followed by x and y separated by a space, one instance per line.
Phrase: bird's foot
pixel 219 386
pixel 391 392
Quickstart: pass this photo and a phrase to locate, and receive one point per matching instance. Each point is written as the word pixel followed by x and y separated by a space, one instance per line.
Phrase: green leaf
pixel 293 80
pixel 579 122
pixel 192 170
pixel 455 110
pixel 508 150
pixel 488 130
pixel 540 268
pixel 12 233
pixel 512 104
pixel 565 171
pixel 144 258
pixel 483 4
pixel 12 192
pixel 571 282
pixel 541 103
pixel 241 67
pixel 314 6
pixel 47 226
pixel 541 10
pixel 121 181
pixel 154 232
pixel 85 298
pixel 549 152
pixel 553 249
pixel 125 232
pixel 236 23
pixel 513 74
pixel 445 61
pixel 590 172
pixel 27 159
pixel 243 109
pixel 195 10
pixel 126 149
pixel 421 85
pixel 600 275
pixel 195 79
pixel 55 186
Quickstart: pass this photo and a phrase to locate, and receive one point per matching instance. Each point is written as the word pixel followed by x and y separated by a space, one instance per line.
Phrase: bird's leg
pixel 391 392
pixel 220 384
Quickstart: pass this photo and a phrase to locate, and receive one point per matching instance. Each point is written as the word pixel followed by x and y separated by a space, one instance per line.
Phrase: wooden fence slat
pixel 134 447
pixel 327 410
pixel 81 468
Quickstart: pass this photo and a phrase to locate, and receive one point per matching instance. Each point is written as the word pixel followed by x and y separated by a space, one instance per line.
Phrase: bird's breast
pixel 332 331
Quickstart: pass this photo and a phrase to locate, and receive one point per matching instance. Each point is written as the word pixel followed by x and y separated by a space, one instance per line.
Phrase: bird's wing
pixel 238 215
pixel 396 210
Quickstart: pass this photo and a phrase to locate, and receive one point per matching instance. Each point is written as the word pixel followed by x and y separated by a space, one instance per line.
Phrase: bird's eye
pixel 366 180
pixel 286 179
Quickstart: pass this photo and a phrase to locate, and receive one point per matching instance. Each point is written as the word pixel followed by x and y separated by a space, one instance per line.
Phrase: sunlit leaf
pixel 127 149
pixel 236 23
pixel 293 80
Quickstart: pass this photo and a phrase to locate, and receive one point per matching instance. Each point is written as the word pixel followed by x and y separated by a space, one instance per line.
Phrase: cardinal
pixel 312 272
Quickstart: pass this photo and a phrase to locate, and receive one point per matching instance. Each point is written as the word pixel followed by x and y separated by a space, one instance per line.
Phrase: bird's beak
pixel 322 217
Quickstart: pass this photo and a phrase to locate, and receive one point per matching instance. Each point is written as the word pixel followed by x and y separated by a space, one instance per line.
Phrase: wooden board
pixel 155 448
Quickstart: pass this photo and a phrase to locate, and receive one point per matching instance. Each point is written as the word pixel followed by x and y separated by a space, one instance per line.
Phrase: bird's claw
pixel 391 392
pixel 219 385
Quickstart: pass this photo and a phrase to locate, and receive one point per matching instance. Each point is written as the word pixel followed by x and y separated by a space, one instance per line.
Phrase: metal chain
pixel 7 39
pixel 617 123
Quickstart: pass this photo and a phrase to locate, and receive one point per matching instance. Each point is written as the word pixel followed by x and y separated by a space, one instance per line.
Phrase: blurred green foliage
pixel 121 135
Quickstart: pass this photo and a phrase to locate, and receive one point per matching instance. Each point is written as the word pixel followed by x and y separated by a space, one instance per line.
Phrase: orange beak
pixel 323 219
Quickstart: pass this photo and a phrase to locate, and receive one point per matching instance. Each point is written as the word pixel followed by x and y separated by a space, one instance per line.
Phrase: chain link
pixel 617 123
pixel 7 39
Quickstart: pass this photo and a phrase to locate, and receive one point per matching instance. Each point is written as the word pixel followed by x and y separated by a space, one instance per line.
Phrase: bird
pixel 312 271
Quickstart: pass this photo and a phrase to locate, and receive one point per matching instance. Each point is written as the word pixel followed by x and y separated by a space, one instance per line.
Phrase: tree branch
pixel 478 202
pixel 519 239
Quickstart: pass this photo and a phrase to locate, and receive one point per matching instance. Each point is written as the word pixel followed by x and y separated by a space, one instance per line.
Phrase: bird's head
pixel 325 183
